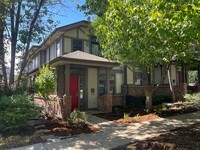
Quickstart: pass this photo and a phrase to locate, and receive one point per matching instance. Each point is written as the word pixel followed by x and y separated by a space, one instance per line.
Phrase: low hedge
pixel 16 110
pixel 141 101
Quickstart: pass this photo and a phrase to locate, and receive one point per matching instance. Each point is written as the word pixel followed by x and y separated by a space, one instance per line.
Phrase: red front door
pixel 73 89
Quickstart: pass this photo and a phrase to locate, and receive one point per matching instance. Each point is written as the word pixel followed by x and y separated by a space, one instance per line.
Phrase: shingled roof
pixel 85 56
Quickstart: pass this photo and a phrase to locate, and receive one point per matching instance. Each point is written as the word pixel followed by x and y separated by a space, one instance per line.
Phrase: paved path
pixel 113 135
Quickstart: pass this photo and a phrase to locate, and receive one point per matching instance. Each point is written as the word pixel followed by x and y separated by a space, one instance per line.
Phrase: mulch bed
pixel 115 116
pixel 64 128
pixel 137 119
pixel 178 139
pixel 28 135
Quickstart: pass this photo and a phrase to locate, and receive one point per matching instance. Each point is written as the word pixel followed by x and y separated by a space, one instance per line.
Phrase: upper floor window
pixel 93 39
pixel 95 49
pixel 58 48
pixel 77 45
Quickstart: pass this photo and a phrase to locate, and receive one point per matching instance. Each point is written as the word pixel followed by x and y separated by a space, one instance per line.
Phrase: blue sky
pixel 72 14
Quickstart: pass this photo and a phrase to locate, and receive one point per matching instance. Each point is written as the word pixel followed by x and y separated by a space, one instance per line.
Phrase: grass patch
pixel 16 140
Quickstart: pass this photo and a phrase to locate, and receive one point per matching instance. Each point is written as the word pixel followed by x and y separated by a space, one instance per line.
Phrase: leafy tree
pixel 45 84
pixel 94 7
pixel 46 81
pixel 145 33
pixel 24 22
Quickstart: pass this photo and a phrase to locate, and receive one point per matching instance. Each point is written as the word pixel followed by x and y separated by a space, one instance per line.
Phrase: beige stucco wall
pixel 118 82
pixel 92 88
pixel 82 35
pixel 52 51
pixel 86 47
pixel 67 45
pixel 129 76
pixel 157 74
pixel 61 46
pixel 71 33
pixel 173 75
pixel 47 55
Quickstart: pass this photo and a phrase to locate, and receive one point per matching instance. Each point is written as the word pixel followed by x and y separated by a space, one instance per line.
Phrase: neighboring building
pixel 90 81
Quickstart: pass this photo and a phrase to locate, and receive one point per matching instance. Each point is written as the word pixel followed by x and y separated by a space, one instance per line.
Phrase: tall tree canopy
pixel 94 7
pixel 27 21
pixel 149 32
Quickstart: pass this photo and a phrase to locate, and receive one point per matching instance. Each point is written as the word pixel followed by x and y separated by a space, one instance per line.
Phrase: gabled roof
pixel 58 32
pixel 84 56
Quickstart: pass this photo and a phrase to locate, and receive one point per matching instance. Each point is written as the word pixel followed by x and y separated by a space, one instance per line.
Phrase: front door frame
pixel 84 88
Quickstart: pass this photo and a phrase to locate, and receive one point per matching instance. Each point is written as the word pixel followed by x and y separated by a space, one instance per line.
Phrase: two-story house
pixel 91 81
pixel 81 72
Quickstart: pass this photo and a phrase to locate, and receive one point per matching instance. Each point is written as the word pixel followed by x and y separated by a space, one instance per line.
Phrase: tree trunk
pixel 2 50
pixel 12 67
pixel 15 21
pixel 24 61
pixel 171 86
pixel 149 95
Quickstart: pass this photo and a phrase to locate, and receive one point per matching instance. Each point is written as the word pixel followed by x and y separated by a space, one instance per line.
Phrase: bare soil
pixel 178 139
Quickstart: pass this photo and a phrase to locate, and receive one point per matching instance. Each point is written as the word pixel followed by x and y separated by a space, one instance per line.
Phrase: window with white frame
pixel 58 48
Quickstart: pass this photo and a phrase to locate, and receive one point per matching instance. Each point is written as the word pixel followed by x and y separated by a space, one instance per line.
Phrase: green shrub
pixel 16 110
pixel 45 82
pixel 78 118
pixel 192 97
pixel 141 101
pixel 159 99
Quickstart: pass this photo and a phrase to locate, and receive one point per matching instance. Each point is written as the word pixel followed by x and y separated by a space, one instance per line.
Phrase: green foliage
pixel 78 118
pixel 159 109
pixel 192 97
pixel 145 33
pixel 94 7
pixel 192 76
pixel 159 99
pixel 2 92
pixel 156 100
pixel 16 110
pixel 148 32
pixel 46 81
pixel 126 116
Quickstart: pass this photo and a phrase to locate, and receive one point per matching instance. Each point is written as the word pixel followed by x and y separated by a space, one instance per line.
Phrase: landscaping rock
pixel 33 122
pixel 48 138
pixel 42 126
pixel 43 131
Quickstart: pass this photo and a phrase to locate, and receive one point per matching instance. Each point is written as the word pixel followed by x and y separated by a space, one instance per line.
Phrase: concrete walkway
pixel 113 135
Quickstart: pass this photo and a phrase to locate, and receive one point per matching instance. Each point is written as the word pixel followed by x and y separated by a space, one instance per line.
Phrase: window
pixel 93 38
pixel 77 45
pixel 102 84
pixel 112 84
pixel 58 48
pixel 95 49
pixel 137 80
